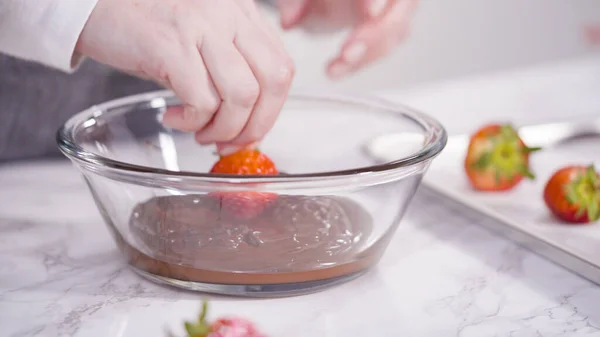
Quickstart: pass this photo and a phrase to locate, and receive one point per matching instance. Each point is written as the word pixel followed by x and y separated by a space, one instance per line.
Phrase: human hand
pixel 592 33
pixel 378 27
pixel 221 58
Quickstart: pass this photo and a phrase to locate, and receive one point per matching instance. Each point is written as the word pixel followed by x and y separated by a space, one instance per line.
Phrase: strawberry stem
pixel 497 177
pixel 591 171
pixel 200 328
pixel 528 149
pixel 506 155
pixel 594 207
pixel 584 192
pixel 527 173
pixel 204 311
pixel 593 211
pixel 483 161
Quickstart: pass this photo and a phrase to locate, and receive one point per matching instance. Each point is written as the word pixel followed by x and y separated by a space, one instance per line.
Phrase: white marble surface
pixel 443 275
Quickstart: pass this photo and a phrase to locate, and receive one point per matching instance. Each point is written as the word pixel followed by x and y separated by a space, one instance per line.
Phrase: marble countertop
pixel 443 275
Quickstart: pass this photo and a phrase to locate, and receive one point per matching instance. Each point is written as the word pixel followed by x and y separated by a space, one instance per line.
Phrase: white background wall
pixel 452 38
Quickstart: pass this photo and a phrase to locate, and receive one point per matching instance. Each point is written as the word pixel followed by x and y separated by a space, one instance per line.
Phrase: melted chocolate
pixel 295 239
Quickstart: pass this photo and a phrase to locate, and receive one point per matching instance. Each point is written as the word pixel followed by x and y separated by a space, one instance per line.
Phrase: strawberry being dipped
pixel 222 327
pixel 573 194
pixel 244 162
pixel 245 205
pixel 497 158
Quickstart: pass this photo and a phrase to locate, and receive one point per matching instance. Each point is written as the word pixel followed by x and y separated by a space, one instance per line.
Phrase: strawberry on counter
pixel 222 327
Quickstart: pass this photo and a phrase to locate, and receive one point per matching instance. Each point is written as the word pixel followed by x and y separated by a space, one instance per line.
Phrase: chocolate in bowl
pixel 295 239
pixel 145 178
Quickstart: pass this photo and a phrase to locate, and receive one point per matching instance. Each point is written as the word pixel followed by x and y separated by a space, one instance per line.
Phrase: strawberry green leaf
pixel 571 194
pixel 508 132
pixel 593 176
pixel 201 328
pixel 580 212
pixel 584 192
pixel 483 161
pixel 593 211
pixel 497 177
pixel 197 330
pixel 528 149
pixel 204 311
pixel 527 173
pixel 507 156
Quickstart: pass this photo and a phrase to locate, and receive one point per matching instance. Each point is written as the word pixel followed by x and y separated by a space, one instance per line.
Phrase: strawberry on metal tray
pixel 497 158
pixel 573 194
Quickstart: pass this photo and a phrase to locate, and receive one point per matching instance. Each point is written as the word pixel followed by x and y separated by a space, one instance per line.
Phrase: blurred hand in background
pixel 377 27
pixel 592 33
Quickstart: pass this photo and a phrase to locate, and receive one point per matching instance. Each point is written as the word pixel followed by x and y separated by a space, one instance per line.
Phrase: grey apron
pixel 35 100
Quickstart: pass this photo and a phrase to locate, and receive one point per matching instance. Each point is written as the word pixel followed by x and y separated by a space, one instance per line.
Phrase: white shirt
pixel 44 31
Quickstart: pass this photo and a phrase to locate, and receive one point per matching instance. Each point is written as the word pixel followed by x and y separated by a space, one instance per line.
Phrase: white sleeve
pixel 44 31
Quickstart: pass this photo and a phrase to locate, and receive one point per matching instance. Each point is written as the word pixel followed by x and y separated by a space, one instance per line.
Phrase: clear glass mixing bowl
pixel 337 206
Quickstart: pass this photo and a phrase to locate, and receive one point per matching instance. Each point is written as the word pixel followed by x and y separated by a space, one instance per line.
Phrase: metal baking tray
pixel 521 213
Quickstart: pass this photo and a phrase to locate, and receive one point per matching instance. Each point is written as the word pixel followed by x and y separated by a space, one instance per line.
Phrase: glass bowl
pixel 329 218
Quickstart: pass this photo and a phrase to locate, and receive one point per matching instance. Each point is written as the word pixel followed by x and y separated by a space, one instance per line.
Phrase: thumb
pixel 292 12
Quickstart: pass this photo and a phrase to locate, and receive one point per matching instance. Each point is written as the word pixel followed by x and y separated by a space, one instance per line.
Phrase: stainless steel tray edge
pixel 550 251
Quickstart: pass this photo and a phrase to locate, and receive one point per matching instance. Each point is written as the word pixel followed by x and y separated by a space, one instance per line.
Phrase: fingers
pixel 292 12
pixel 237 86
pixel 593 34
pixel 374 8
pixel 190 81
pixel 233 82
pixel 274 72
pixel 249 8
pixel 374 38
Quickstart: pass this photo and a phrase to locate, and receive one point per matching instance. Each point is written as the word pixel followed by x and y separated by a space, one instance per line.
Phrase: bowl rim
pixel 436 138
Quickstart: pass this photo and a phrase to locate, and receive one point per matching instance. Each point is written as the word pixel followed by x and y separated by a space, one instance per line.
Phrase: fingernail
pixel 338 70
pixel 170 119
pixel 377 7
pixel 228 149
pixel 189 113
pixel 355 52
pixel 176 118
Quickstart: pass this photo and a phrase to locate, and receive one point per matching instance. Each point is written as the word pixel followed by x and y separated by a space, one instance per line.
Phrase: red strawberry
pixel 223 327
pixel 245 162
pixel 245 205
pixel 573 194
pixel 234 327
pixel 497 159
